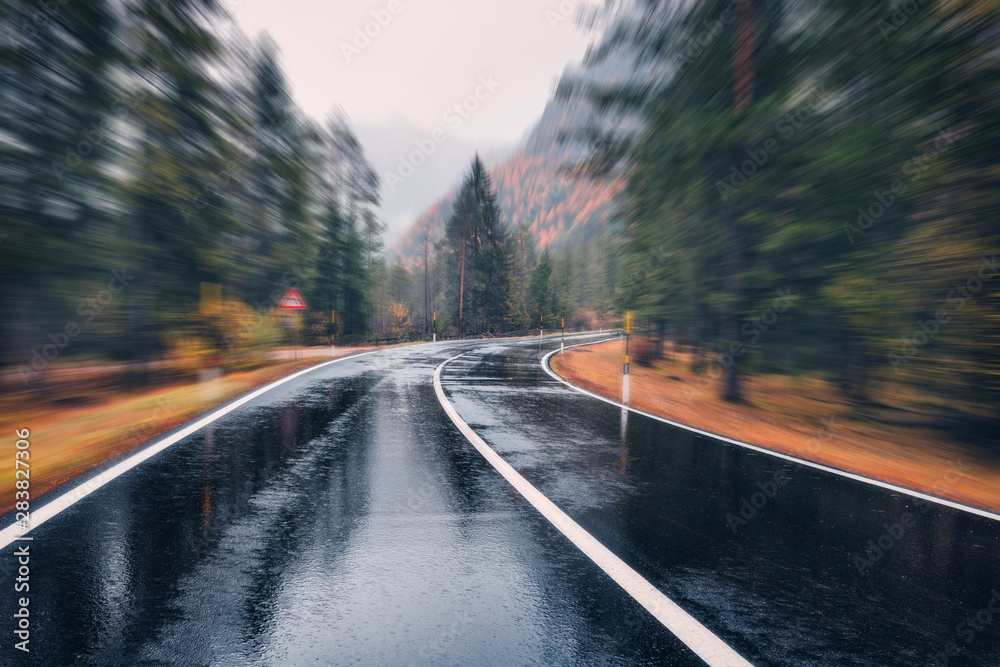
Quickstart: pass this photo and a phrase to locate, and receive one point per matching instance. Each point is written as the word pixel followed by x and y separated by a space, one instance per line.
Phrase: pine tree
pixel 480 253
pixel 540 290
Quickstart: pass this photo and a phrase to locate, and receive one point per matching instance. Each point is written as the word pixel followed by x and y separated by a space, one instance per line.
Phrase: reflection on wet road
pixel 342 519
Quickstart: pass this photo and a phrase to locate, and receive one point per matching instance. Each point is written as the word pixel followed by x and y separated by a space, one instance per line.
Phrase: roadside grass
pixel 804 417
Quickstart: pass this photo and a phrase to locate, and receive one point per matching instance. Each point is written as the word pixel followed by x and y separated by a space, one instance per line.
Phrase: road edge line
pixel 685 627
pixel 52 508
pixel 763 450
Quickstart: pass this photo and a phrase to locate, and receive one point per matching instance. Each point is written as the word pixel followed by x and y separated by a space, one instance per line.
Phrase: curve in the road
pixel 700 639
pixel 812 464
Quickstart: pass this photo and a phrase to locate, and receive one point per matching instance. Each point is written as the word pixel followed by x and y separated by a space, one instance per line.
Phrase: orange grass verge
pixel 67 442
pixel 787 415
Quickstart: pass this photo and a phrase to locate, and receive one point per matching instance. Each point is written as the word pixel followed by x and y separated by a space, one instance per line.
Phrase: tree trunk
pixel 661 337
pixel 522 268
pixel 461 283
pixel 736 257
pixel 426 283
pixel 735 266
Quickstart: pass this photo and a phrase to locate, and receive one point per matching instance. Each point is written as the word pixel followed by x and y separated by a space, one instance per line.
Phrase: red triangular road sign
pixel 292 299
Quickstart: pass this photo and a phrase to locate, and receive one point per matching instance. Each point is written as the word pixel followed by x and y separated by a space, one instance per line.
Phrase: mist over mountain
pixel 386 143
pixel 532 184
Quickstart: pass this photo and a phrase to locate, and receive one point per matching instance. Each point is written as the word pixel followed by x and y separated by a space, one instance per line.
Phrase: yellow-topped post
pixel 625 367
pixel 562 343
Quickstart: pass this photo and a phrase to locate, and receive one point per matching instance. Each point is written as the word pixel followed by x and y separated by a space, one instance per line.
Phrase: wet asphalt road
pixel 341 518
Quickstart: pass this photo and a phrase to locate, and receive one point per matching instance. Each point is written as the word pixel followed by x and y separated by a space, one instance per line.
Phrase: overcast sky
pixel 428 57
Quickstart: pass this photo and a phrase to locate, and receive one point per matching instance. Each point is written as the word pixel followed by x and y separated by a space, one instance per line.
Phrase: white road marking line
pixel 54 507
pixel 818 466
pixel 697 637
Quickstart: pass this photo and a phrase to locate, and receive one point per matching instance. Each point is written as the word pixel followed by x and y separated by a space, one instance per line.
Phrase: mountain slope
pixel 532 187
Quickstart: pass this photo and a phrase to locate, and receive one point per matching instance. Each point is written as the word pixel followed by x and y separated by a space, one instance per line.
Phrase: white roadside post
pixel 562 343
pixel 435 334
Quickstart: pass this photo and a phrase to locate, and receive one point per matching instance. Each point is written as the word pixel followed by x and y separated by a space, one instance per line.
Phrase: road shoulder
pixel 835 438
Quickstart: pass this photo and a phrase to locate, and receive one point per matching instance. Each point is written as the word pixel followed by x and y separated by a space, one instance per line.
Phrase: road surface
pixel 343 518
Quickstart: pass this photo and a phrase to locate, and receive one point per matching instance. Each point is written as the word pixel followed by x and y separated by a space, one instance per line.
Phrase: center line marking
pixel 685 627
